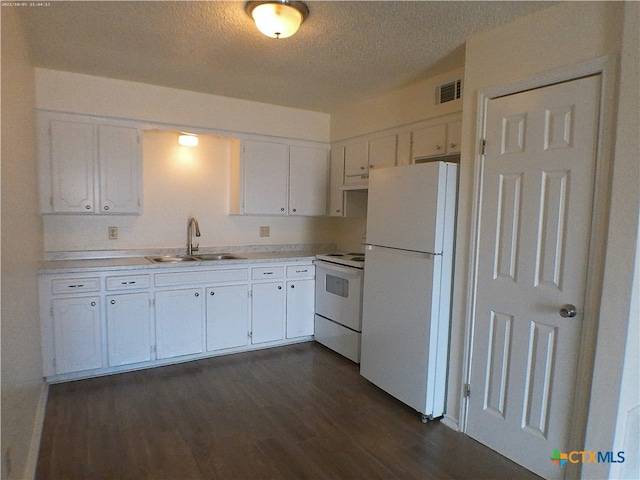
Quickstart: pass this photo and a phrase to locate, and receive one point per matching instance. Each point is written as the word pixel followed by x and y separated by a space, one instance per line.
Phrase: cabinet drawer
pixel 75 285
pixel 201 277
pixel 269 273
pixel 124 282
pixel 295 271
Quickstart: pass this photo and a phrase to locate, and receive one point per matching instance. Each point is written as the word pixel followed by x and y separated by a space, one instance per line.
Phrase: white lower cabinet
pixel 227 317
pixel 128 328
pixel 300 307
pixel 77 334
pixel 99 322
pixel 179 322
pixel 267 312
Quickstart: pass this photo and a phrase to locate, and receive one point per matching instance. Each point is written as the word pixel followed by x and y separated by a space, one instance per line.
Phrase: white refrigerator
pixel 407 282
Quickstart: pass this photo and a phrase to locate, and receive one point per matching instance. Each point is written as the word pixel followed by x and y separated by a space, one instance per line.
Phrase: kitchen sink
pixel 205 257
pixel 217 256
pixel 173 259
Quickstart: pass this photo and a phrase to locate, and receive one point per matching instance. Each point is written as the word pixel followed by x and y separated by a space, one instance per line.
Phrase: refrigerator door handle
pixel 402 251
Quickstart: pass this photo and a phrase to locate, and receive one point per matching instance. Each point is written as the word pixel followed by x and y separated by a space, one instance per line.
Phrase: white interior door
pixel 535 219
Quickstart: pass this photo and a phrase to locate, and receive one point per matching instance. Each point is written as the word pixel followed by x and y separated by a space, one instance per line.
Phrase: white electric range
pixel 338 319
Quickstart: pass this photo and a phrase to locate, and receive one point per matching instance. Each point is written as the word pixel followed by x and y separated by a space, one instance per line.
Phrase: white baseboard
pixel 450 422
pixel 36 436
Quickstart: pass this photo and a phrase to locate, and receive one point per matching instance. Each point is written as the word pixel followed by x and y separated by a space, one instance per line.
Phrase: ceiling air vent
pixel 448 92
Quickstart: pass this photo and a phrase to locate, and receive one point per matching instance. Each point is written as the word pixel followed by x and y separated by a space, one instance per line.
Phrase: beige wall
pixel 23 390
pixel 616 373
pixel 400 107
pixel 178 183
pixel 551 39
pixel 71 92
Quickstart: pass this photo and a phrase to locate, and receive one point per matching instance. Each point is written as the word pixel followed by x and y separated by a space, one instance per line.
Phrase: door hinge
pixel 249 335
pixel 51 312
pixel 467 390
pixel 484 146
pixel 249 293
pixel 54 364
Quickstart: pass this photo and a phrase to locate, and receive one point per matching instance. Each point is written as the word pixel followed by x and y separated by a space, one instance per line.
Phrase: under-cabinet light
pixel 188 140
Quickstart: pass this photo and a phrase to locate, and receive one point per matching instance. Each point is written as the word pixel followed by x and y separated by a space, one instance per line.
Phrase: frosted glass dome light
pixel 277 19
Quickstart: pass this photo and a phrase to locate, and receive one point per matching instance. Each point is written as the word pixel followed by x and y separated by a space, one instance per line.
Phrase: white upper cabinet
pixel 119 158
pixel 356 163
pixel 307 181
pixel 282 179
pixel 336 179
pixel 436 140
pixel 266 172
pixel 89 166
pixel 382 152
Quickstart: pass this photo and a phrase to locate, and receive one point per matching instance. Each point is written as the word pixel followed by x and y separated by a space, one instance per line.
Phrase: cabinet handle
pixel 106 207
pixel 87 207
pixel 197 294
pixel 282 209
pixel 362 168
pixel 438 147
pixel 337 210
pixel 128 283
pixel 293 286
pixel 279 287
pixel 452 145
pixel 301 271
pixel 77 286
pixel 294 210
pixel 212 293
pixel 267 273
pixel 93 304
pixel 113 302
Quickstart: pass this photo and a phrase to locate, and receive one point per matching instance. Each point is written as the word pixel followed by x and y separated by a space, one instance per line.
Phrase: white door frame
pixel 606 67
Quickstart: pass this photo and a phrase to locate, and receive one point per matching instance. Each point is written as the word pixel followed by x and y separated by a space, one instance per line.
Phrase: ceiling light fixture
pixel 277 18
pixel 188 140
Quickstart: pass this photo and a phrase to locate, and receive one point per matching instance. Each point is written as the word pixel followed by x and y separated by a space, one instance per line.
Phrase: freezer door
pixel 407 206
pixel 404 334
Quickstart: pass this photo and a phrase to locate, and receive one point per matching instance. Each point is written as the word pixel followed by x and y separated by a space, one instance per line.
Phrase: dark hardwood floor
pixel 296 412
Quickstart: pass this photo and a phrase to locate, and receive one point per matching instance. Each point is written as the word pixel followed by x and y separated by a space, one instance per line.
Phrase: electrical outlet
pixel 113 233
pixel 264 231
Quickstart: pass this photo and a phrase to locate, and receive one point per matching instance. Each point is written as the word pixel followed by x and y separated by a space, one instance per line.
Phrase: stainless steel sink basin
pixel 173 259
pixel 217 256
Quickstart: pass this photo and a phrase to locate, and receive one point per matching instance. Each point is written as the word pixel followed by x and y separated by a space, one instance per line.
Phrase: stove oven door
pixel 339 294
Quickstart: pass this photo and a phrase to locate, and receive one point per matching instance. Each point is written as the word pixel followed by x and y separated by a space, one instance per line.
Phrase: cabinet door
pixel 454 136
pixel 77 333
pixel 266 178
pixel 267 312
pixel 300 307
pixel 72 167
pixel 128 328
pixel 179 319
pixel 382 152
pixel 120 159
pixel 336 180
pixel 227 316
pixel 356 159
pixel 307 181
pixel 429 141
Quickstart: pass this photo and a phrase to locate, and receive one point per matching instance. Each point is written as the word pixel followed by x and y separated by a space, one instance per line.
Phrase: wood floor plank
pixel 296 412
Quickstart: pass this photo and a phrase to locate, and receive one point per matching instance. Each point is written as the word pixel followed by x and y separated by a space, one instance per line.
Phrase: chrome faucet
pixel 193 222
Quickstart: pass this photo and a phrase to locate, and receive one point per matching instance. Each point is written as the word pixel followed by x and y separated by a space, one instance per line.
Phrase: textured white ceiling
pixel 345 52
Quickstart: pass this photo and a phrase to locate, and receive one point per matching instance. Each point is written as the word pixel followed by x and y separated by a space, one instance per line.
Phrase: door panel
pixel 537 189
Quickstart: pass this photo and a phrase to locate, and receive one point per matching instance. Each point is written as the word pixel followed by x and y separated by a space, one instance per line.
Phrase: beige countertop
pixel 142 262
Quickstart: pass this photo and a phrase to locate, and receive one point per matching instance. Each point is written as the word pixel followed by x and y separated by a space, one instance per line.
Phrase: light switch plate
pixel 113 233
pixel 264 231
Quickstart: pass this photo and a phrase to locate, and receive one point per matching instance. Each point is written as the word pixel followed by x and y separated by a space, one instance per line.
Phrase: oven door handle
pixel 352 271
